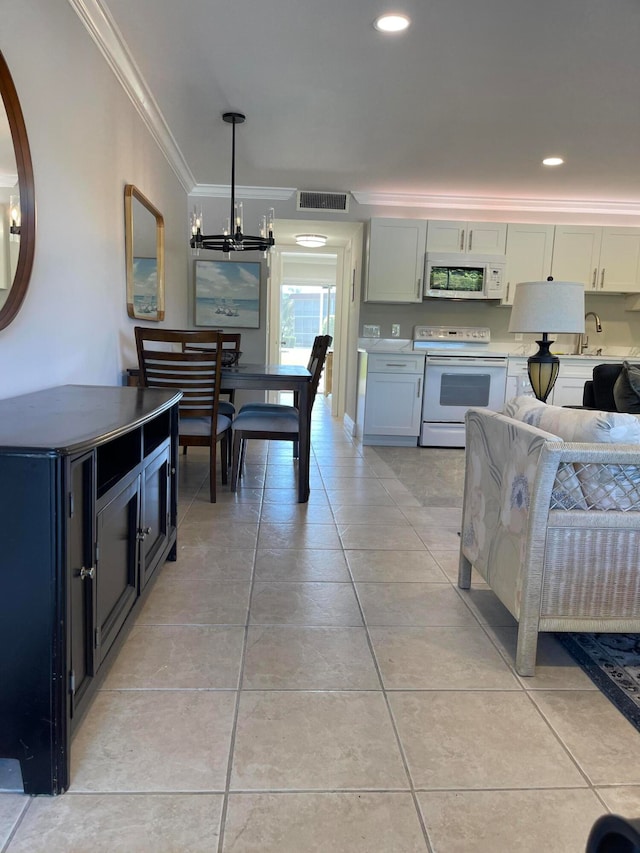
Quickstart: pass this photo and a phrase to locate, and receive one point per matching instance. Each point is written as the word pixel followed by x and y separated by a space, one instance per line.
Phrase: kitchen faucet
pixel 583 340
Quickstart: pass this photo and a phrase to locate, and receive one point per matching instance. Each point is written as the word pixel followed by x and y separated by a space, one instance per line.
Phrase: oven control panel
pixel 455 334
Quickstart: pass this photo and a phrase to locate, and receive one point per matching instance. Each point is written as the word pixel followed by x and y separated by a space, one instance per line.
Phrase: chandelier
pixel 232 238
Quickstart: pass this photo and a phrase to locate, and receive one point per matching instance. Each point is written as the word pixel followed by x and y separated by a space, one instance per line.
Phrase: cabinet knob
pixel 87 573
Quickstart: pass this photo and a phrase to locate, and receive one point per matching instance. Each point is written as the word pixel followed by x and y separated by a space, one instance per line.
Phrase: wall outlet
pixel 370 331
pixel 518 336
pixel 395 330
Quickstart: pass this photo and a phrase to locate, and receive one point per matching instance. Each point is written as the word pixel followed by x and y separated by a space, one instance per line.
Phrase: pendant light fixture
pixel 232 238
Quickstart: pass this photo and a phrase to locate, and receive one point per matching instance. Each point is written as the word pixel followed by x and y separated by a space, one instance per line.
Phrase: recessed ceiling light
pixel 391 23
pixel 552 161
pixel 311 241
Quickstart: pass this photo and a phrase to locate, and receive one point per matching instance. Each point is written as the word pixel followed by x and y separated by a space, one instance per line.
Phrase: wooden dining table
pixel 280 377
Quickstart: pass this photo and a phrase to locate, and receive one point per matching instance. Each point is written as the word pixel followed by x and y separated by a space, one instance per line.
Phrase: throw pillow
pixel 584 425
pixel 626 391
pixel 605 487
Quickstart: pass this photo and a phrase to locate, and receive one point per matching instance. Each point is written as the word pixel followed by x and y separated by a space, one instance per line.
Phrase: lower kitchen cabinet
pixel 393 399
pixel 88 511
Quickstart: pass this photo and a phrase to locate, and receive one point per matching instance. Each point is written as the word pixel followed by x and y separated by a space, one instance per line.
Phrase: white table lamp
pixel 546 306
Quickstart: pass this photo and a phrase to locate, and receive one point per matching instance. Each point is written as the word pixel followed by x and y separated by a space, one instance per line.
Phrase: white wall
pixel 87 141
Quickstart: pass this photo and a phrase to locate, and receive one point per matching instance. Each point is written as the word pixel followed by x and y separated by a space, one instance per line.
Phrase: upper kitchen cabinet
pixel 606 260
pixel 529 252
pixel 480 238
pixel 395 260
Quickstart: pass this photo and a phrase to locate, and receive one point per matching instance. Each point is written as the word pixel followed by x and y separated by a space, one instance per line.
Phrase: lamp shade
pixel 548 306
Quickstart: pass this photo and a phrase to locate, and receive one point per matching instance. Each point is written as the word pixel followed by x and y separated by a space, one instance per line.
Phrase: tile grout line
pixel 236 712
pixel 391 717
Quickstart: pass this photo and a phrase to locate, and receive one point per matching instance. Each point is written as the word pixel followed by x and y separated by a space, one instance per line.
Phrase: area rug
pixel 612 662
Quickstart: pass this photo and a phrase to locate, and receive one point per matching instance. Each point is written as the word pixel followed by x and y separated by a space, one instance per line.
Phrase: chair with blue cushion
pixel 189 361
pixel 318 355
pixel 272 421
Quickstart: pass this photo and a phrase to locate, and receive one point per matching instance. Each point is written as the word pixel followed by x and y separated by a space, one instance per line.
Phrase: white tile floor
pixel 309 678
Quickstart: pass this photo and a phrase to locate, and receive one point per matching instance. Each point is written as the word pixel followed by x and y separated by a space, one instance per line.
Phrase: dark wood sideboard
pixel 88 511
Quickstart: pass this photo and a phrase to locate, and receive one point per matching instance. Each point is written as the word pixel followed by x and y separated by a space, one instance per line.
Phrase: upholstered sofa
pixel 551 518
pixel 601 391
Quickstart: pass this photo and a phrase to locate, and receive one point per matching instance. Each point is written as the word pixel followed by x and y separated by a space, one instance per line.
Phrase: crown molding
pixel 224 191
pixel 105 33
pixel 542 205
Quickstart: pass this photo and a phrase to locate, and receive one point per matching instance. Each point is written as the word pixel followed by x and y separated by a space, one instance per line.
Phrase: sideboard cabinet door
pixel 81 577
pixel 155 513
pixel 116 561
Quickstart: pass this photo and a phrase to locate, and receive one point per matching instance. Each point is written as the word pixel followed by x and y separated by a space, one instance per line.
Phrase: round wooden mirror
pixel 17 204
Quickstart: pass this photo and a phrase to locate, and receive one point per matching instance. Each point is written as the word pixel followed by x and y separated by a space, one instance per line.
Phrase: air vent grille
pixel 315 200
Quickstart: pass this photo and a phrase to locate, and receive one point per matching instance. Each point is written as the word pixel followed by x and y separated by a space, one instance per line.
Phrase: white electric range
pixel 461 370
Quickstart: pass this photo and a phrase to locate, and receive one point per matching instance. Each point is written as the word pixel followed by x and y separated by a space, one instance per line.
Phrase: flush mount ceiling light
pixel 552 161
pixel 232 239
pixel 391 23
pixel 311 241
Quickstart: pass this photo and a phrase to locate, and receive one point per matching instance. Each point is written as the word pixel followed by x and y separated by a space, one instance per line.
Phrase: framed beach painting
pixel 227 293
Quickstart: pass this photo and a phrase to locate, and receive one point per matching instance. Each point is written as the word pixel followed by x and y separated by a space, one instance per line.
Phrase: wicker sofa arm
pixel 553 527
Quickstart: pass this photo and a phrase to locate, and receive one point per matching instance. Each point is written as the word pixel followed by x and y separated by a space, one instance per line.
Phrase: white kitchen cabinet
pixel 619 269
pixel 395 260
pixel 479 238
pixel 528 255
pixel 517 378
pixel 393 400
pixel 606 260
pixel 569 387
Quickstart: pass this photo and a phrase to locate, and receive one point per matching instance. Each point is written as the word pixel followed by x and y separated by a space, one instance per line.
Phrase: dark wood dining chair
pixel 189 361
pixel 272 421
pixel 318 355
pixel 231 342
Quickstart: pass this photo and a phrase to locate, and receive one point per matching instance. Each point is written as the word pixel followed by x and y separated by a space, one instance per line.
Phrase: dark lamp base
pixel 543 369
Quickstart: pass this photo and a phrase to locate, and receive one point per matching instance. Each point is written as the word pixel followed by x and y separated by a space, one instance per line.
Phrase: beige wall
pixel 87 141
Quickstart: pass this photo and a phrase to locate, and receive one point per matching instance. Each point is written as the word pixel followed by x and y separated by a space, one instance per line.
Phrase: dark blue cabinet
pixel 88 511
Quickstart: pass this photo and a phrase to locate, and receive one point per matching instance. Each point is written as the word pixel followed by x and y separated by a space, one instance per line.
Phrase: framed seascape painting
pixel 227 293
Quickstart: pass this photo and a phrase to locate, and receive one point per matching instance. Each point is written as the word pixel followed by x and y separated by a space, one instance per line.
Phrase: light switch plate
pixel 395 330
pixel 370 331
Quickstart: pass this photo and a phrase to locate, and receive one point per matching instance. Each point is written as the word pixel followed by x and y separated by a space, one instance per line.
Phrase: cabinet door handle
pixel 87 573
pixel 470 239
pixel 419 386
pixel 593 283
pixel 395 364
pixel 418 288
pixel 508 289
pixel 462 240
pixel 602 279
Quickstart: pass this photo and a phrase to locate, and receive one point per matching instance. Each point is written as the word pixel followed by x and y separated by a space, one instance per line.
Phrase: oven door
pixel 454 383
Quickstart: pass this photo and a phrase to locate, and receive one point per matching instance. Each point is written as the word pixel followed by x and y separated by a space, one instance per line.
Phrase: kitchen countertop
pixel 392 345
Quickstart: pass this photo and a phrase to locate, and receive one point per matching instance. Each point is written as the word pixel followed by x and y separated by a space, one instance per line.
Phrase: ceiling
pixel 465 103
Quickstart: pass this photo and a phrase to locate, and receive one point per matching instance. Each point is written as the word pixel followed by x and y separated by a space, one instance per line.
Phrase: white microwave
pixel 450 276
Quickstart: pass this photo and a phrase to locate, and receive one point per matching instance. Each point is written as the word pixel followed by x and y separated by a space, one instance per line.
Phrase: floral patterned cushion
pixel 501 470
pixel 600 483
pixel 576 424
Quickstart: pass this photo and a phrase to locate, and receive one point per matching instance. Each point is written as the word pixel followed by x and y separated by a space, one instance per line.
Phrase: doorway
pixel 303 304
